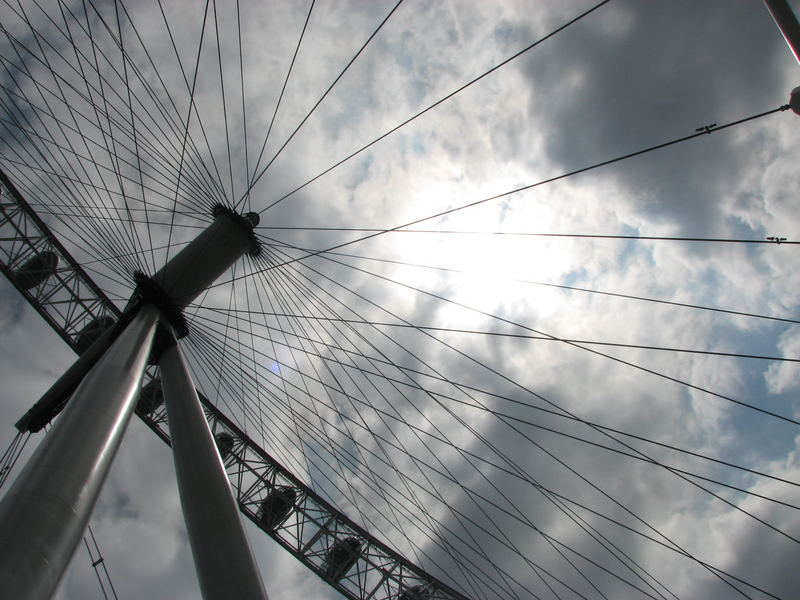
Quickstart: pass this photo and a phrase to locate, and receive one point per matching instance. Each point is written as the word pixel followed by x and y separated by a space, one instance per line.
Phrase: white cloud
pixel 783 377
pixel 628 76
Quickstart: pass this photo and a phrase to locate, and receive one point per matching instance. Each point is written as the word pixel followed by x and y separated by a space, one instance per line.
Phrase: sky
pixel 411 377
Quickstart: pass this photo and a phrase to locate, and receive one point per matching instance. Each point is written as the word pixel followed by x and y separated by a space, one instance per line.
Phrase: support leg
pixel 786 21
pixel 45 512
pixel 223 560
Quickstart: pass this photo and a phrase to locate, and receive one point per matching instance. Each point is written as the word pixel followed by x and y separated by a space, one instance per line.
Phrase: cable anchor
pixel 706 128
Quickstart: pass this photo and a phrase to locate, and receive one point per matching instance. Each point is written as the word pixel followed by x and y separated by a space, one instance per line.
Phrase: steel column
pixel 787 22
pixel 223 559
pixel 45 512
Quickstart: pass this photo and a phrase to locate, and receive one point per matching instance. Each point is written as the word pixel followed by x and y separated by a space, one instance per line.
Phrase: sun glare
pixel 485 262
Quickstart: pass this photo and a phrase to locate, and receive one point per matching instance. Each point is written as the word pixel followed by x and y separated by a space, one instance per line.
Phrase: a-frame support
pixel 45 512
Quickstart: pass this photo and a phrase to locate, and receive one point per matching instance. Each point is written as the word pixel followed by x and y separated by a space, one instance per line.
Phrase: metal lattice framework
pixel 311 529
pixel 68 300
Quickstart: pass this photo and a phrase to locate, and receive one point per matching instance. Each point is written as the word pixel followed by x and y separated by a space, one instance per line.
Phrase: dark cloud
pixel 630 75
pixel 641 73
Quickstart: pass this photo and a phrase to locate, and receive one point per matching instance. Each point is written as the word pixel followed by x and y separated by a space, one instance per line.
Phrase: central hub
pixel 198 265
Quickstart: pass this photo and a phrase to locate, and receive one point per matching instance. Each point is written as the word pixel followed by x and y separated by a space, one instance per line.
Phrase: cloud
pixel 508 466
pixel 782 377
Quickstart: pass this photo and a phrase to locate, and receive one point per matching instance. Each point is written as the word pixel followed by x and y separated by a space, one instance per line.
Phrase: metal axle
pixel 209 255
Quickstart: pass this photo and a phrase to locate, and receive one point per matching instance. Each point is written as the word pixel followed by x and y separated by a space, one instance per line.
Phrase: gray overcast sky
pixel 630 75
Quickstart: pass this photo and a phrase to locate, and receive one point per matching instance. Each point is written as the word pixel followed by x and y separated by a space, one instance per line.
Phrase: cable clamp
pixel 706 128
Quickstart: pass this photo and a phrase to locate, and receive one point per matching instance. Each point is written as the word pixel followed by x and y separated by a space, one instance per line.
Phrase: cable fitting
pixel 706 128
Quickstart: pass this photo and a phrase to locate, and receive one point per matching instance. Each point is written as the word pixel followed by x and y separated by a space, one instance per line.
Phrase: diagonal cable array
pixel 452 432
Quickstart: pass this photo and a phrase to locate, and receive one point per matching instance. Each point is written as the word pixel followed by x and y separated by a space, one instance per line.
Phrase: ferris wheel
pixel 460 300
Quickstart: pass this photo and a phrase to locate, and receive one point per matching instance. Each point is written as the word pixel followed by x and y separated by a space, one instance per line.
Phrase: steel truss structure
pixel 326 541
pixel 68 300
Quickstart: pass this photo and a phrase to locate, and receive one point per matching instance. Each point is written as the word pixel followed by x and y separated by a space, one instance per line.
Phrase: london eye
pixel 505 305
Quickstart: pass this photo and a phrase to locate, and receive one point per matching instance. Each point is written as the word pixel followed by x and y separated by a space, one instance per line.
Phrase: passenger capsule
pixel 341 558
pixel 224 444
pixel 276 507
pixel 36 270
pixel 151 398
pixel 416 592
pixel 92 331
